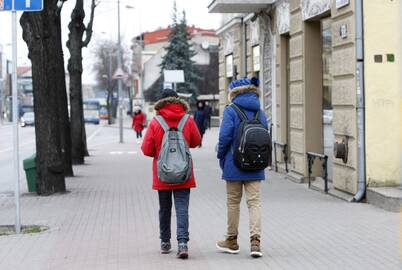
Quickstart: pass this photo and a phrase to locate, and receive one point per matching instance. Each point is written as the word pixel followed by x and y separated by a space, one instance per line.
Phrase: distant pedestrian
pixel 209 114
pixel 244 95
pixel 171 117
pixel 138 123
pixel 201 118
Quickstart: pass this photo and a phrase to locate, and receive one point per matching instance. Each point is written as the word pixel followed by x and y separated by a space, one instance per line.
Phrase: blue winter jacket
pixel 227 136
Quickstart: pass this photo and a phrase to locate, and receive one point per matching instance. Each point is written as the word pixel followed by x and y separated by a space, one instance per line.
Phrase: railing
pixel 284 147
pixel 311 156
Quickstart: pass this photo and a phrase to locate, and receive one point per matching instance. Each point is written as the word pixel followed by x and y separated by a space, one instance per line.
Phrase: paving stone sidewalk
pixel 109 220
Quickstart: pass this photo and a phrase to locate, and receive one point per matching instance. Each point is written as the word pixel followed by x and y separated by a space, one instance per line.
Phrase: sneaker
pixel 182 251
pixel 165 247
pixel 255 249
pixel 229 245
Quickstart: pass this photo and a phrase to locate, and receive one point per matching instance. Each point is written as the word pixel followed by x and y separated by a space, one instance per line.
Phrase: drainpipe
pixel 244 47
pixel 361 142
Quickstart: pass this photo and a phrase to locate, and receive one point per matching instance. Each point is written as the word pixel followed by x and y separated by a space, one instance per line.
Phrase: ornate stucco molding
pixel 228 42
pixel 312 8
pixel 283 16
pixel 266 42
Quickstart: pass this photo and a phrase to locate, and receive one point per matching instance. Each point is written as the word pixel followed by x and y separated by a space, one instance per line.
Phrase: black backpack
pixel 253 146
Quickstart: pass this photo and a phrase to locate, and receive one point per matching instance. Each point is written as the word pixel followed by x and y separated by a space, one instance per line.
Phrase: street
pixel 109 220
pixel 27 148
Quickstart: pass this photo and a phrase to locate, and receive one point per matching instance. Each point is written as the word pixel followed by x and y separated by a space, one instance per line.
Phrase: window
pixel 256 58
pixel 229 65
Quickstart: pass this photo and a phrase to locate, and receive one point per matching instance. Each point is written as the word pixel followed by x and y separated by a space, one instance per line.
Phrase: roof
pixel 161 35
pixel 23 70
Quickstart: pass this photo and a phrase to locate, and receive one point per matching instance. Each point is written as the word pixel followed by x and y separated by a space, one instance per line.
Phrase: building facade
pixel 329 80
pixel 204 43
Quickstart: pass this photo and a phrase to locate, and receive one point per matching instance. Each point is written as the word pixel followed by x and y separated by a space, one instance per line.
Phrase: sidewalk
pixel 109 220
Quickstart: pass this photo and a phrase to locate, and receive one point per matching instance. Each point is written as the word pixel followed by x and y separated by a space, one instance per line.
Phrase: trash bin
pixel 30 172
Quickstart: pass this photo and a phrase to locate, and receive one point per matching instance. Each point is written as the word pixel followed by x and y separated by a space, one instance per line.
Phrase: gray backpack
pixel 174 164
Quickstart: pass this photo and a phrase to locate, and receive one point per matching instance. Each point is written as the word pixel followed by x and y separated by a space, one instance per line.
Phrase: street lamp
pixel 120 83
pixel 140 90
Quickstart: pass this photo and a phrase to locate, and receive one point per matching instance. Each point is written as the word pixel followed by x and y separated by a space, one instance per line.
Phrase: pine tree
pixel 179 54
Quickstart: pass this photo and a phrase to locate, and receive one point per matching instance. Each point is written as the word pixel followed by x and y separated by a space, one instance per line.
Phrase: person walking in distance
pixel 201 118
pixel 244 131
pixel 138 123
pixel 168 139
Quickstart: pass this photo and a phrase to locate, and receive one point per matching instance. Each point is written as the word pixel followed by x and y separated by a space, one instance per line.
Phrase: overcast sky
pixel 147 15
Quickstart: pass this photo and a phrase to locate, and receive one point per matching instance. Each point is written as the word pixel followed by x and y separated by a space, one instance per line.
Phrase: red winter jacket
pixel 138 122
pixel 172 110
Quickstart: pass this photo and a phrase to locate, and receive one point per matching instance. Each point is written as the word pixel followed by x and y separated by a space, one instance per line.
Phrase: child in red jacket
pixel 172 109
pixel 138 123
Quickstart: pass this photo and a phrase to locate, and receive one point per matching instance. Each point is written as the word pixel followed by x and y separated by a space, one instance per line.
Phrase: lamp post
pixel 140 94
pixel 120 83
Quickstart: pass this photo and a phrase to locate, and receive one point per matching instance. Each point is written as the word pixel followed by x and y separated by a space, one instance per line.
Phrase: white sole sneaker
pixel 256 254
pixel 227 250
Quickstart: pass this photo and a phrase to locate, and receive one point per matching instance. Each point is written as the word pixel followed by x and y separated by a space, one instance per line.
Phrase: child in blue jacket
pixel 245 94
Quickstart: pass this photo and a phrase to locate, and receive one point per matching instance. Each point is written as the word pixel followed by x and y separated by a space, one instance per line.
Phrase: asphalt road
pixel 27 148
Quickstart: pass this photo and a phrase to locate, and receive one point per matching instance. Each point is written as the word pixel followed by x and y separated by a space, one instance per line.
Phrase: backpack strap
pixel 182 122
pixel 240 112
pixel 257 115
pixel 162 122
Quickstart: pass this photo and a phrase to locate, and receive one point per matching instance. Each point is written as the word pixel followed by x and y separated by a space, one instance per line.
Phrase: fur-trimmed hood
pixel 243 89
pixel 172 100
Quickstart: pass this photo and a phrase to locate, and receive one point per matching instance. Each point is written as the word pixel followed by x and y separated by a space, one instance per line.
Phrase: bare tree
pixel 75 44
pixel 106 63
pixel 42 34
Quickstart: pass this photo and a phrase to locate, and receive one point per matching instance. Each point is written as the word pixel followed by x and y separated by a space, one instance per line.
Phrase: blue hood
pixel 248 101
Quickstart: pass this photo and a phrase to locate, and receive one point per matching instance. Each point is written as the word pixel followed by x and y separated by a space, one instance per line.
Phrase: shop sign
pixel 343 31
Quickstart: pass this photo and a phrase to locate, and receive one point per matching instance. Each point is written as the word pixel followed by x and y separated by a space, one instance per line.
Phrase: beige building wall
pixel 304 86
pixel 305 91
pixel 344 91
pixel 383 92
pixel 296 92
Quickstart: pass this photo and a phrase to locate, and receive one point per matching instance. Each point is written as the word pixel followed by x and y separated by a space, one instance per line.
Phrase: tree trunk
pixel 42 33
pixel 109 106
pixel 74 44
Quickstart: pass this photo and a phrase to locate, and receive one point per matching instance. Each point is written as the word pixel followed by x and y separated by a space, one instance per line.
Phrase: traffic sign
pixel 6 5
pixel 118 74
pixel 21 5
pixel 13 6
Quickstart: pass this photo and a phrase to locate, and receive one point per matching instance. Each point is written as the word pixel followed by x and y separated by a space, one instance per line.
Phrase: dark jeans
pixel 181 202
pixel 139 134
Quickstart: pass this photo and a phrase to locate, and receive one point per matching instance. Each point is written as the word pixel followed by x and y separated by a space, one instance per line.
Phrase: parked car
pixel 91 111
pixel 28 119
pixel 103 113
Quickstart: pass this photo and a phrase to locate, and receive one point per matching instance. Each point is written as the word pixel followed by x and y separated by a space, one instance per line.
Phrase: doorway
pixel 327 109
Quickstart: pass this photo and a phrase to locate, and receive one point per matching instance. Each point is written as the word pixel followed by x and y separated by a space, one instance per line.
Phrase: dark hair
pixel 169 93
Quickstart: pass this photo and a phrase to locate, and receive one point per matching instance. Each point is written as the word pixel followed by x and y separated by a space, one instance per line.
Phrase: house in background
pixel 148 57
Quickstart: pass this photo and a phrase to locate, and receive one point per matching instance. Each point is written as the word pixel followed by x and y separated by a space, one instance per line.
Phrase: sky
pixel 145 15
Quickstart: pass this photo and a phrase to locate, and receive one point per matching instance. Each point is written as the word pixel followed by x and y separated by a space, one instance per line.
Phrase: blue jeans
pixel 181 202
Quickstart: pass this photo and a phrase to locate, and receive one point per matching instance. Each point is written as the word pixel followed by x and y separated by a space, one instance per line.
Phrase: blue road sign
pixel 6 5
pixel 21 5
pixel 28 5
